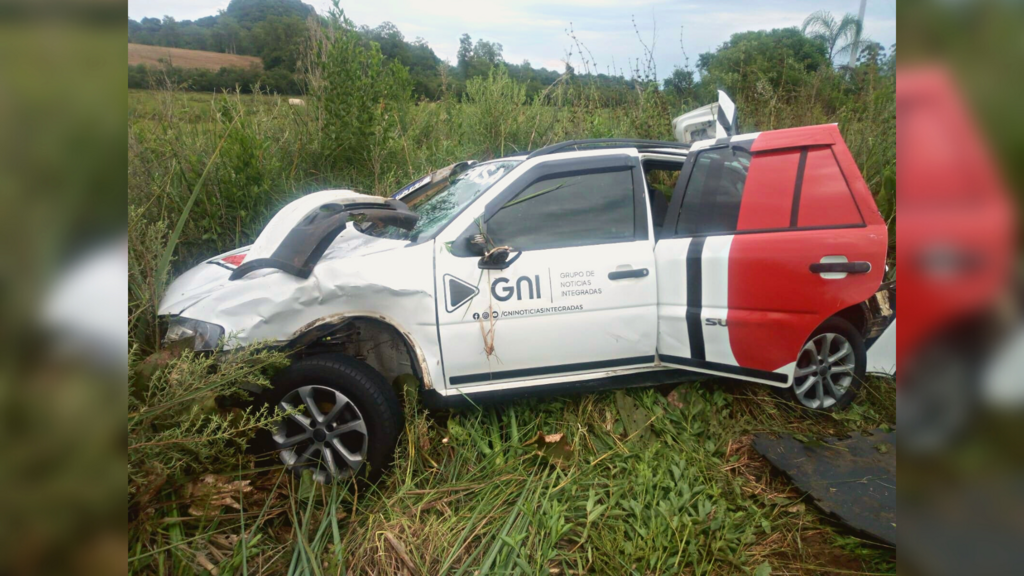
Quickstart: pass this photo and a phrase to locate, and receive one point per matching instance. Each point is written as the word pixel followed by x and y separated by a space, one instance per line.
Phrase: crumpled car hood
pixel 212 275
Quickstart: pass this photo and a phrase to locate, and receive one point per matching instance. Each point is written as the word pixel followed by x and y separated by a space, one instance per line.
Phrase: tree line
pixel 278 32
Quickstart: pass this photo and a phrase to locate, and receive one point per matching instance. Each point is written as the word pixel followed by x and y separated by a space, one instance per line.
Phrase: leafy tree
pixel 681 83
pixel 361 95
pixel 838 36
pixel 170 32
pixel 228 36
pixel 246 80
pixel 276 30
pixel 871 53
pixel 417 56
pixel 478 59
pixel 280 41
pixel 249 13
pixel 465 54
pixel 780 59
pixel 489 52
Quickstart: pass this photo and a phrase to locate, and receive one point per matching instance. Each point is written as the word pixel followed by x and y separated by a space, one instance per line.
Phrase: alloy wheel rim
pixel 824 371
pixel 323 432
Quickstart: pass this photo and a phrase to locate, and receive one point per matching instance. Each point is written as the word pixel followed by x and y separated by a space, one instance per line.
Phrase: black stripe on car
pixel 694 298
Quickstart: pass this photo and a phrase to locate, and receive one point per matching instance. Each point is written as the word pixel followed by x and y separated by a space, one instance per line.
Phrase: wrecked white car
pixel 581 266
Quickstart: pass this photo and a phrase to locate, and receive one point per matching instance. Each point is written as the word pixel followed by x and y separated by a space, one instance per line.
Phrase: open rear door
pixel 767 236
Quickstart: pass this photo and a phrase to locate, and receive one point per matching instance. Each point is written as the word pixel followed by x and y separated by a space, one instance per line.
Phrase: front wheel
pixel 830 367
pixel 343 418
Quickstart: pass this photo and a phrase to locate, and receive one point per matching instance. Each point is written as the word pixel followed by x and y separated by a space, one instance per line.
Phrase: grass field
pixel 633 482
pixel 182 58
pixel 567 486
pixel 479 492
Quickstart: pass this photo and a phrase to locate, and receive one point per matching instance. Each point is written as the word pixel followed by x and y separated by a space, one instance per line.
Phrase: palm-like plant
pixel 838 36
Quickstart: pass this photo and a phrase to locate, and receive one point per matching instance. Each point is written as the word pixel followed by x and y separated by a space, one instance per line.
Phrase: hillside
pixel 183 58
pixel 276 30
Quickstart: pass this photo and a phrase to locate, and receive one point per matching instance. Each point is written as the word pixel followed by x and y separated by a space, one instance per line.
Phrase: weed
pixel 472 494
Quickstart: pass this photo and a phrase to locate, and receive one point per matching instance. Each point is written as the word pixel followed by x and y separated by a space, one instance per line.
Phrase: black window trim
pixel 676 205
pixel 678 195
pixel 798 188
pixel 847 181
pixel 559 168
pixel 661 165
pixel 768 230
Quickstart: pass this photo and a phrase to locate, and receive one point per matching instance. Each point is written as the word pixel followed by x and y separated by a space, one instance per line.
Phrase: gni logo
pixel 457 292
pixel 503 290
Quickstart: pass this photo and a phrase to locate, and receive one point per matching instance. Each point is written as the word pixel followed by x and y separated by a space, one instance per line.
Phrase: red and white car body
pixel 566 268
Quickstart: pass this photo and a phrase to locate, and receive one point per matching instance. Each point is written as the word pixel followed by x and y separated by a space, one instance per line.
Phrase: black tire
pixel 365 388
pixel 856 366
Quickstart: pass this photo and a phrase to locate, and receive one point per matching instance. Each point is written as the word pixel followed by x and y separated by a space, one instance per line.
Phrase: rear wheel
pixel 830 367
pixel 343 418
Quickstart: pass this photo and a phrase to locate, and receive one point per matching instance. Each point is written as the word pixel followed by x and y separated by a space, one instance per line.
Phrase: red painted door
pixel 763 225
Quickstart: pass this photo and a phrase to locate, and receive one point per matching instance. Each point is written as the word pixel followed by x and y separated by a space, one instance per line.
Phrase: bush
pixel 360 99
pixel 245 80
pixel 494 115
pixel 174 424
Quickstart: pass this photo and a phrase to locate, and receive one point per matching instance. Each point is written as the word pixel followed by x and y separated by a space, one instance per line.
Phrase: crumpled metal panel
pixel 286 218
pixel 301 249
pixel 358 275
pixel 853 479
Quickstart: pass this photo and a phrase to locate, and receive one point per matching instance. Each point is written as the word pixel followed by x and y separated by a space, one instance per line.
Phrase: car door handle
pixel 621 274
pixel 839 267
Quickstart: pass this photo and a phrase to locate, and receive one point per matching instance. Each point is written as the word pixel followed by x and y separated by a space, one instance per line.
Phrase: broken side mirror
pixel 498 258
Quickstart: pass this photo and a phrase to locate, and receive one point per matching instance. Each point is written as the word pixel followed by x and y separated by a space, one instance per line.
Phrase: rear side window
pixel 825 199
pixel 731 190
pixel 574 209
pixel 711 203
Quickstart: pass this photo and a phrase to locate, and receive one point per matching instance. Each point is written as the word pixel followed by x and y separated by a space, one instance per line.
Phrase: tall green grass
pixel 273 153
pixel 475 492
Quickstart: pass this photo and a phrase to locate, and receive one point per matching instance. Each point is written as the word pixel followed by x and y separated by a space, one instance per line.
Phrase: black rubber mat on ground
pixel 852 479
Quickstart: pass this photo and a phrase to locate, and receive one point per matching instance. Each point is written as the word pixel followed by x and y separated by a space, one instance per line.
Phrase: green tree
pixel 478 59
pixel 681 83
pixel 169 32
pixel 230 34
pixel 279 39
pixel 361 96
pixel 465 54
pixel 781 60
pixel 838 36
pixel 871 53
pixel 417 56
pixel 249 13
pixel 489 52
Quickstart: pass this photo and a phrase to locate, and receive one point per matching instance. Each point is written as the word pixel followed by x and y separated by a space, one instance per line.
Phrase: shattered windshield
pixel 436 211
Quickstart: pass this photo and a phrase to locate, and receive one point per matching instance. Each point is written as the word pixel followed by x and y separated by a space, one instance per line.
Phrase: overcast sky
pixel 535 30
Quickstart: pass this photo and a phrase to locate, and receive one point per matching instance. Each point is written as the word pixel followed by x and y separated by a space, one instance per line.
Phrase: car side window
pixel 567 209
pixel 711 202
